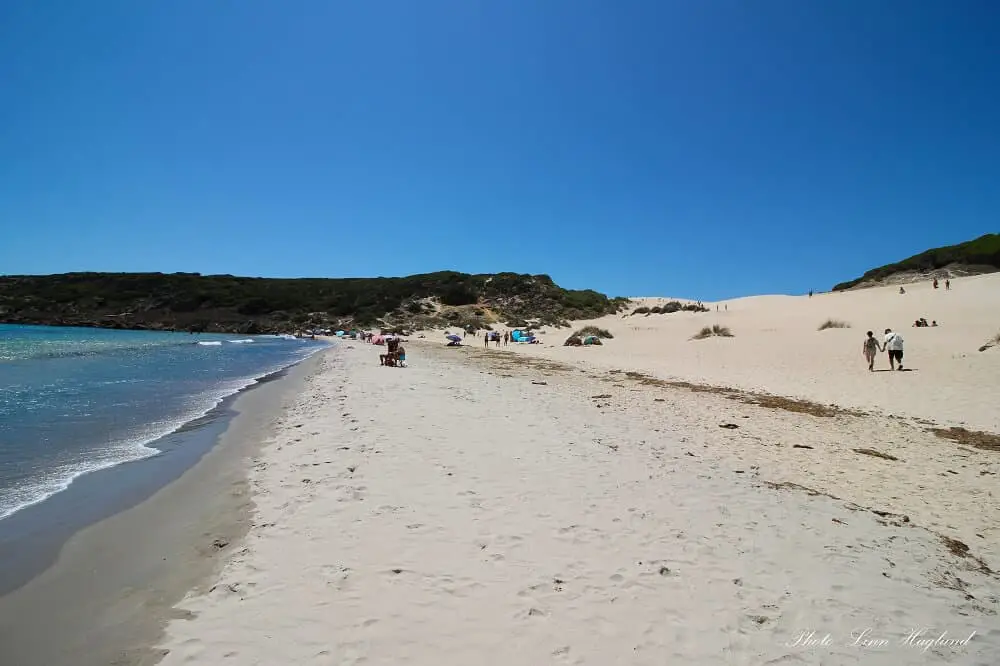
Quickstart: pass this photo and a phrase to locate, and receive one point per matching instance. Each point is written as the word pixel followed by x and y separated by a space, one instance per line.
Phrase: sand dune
pixel 777 348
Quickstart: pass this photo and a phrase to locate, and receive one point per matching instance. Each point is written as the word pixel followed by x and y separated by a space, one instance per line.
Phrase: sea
pixel 76 401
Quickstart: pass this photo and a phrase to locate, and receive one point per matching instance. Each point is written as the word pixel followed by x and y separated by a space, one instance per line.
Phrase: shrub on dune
pixel 833 323
pixel 713 331
pixel 587 331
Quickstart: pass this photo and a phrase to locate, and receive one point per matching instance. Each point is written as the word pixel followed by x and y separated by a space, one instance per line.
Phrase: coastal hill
pixel 225 303
pixel 973 257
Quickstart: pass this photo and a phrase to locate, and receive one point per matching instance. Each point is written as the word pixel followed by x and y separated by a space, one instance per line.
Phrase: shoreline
pixel 31 536
pixel 117 573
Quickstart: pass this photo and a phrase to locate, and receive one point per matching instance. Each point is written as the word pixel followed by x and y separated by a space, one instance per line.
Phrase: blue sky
pixel 703 149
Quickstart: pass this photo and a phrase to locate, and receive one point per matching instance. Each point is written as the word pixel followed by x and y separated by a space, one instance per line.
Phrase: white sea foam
pixel 210 344
pixel 241 342
pixel 59 477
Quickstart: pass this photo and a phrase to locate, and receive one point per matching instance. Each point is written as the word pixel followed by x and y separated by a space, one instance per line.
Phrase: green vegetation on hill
pixel 190 301
pixel 981 255
pixel 668 308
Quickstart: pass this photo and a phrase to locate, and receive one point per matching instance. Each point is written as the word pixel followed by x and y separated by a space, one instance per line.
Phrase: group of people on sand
pixel 495 337
pixel 892 343
pixel 395 354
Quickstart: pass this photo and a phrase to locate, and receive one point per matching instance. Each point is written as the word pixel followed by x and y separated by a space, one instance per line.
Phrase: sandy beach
pixel 750 500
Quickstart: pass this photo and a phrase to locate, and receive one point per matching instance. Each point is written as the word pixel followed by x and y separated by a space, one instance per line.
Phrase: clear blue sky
pixel 696 148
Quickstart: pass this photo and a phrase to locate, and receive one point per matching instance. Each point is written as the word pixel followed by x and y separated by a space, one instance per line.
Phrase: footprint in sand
pixel 530 590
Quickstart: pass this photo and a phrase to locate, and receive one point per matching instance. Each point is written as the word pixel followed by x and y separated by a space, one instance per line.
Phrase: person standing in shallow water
pixel 870 348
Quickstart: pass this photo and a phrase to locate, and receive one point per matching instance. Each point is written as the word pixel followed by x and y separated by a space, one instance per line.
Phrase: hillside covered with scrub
pixel 225 303
pixel 981 255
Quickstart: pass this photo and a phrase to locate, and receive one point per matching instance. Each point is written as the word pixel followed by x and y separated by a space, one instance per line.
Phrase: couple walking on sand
pixel 893 343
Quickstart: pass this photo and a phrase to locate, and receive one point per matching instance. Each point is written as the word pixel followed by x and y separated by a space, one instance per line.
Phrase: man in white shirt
pixel 894 345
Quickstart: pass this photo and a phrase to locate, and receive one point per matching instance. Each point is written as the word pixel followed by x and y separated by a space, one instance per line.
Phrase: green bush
pixel 670 307
pixel 587 331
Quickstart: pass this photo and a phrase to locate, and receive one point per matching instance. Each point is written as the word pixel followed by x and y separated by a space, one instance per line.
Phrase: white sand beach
pixel 615 505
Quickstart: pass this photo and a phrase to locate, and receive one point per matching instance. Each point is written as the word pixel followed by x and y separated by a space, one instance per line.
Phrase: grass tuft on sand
pixel 713 331
pixel 833 323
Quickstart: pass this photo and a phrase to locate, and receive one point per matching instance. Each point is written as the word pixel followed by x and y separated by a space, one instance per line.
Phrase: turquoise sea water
pixel 75 400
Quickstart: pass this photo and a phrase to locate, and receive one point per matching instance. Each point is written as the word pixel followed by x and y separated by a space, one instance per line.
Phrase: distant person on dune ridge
pixel 894 345
pixel 869 349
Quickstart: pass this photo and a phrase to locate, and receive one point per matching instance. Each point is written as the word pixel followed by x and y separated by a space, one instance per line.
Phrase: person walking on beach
pixel 506 338
pixel 486 341
pixel 894 345
pixel 869 348
pixel 947 285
